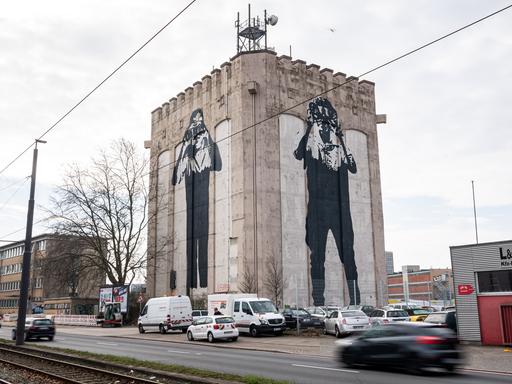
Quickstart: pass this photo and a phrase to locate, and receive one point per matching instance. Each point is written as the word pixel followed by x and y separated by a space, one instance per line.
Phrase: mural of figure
pixel 199 155
pixel 327 162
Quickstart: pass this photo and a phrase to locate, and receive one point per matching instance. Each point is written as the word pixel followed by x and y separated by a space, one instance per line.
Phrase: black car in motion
pixel 37 328
pixel 415 346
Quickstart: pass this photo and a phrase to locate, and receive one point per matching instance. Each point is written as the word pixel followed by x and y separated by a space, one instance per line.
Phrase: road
pixel 292 367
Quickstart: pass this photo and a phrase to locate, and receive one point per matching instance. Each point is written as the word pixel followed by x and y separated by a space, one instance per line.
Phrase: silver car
pixel 386 316
pixel 343 322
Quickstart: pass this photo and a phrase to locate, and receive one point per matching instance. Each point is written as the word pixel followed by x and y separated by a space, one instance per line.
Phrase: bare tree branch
pixel 105 206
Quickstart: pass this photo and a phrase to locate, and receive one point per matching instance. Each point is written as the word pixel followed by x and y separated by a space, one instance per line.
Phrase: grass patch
pixel 172 368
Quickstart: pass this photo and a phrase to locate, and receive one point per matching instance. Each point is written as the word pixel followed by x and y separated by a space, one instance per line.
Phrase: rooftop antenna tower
pixel 250 32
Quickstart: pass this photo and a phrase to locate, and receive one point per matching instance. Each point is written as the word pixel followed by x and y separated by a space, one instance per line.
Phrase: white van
pixel 165 314
pixel 252 315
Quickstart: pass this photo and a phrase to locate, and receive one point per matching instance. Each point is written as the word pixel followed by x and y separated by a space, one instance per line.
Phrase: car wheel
pixel 141 329
pixel 183 330
pixel 211 339
pixel 162 329
pixel 253 331
pixel 234 338
pixel 189 336
pixel 325 330
pixel 337 332
pixel 50 338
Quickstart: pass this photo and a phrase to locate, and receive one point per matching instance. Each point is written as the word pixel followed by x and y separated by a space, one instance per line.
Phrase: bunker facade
pixel 265 178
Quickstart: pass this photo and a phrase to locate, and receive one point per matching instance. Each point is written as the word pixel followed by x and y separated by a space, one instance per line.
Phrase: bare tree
pixel 105 205
pixel 274 280
pixel 248 282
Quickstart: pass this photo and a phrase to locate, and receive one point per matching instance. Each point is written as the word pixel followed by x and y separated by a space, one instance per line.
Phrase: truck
pixel 166 313
pixel 253 315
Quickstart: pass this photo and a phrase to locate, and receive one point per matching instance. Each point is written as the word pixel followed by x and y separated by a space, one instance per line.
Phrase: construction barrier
pixel 83 320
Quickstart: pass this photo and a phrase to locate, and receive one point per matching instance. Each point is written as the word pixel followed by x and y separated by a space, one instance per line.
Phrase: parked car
pixel 343 322
pixel 306 320
pixel 385 316
pixel 418 314
pixel 37 328
pixel 197 313
pixel 165 314
pixel 318 312
pixel 446 319
pixel 213 328
pixel 415 346
pixel 367 309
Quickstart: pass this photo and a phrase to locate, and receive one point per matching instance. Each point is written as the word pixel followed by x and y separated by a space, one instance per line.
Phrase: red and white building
pixel 482 276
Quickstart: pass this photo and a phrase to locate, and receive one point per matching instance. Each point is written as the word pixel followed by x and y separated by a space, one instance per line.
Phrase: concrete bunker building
pixel 235 202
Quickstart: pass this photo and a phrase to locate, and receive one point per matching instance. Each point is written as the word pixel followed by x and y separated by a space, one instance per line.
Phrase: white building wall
pixel 222 253
pixel 162 223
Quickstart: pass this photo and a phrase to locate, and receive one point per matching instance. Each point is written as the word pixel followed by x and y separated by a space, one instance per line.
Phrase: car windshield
pixel 352 313
pixel 420 312
pixel 224 320
pixel 397 314
pixel 263 306
pixel 300 312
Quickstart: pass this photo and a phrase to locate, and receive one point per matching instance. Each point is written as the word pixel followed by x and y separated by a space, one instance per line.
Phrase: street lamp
pixel 27 254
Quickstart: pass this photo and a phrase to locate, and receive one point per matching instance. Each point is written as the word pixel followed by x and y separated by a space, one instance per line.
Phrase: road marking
pixel 486 372
pixel 325 368
pixel 174 351
pixel 111 344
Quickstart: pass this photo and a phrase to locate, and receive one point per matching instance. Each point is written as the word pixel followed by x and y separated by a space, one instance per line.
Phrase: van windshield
pixel 263 306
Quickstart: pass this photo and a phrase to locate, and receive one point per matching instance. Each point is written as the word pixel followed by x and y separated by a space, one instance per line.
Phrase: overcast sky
pixel 448 106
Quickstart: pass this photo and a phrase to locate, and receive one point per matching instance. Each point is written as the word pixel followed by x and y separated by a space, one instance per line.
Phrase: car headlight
pixel 264 321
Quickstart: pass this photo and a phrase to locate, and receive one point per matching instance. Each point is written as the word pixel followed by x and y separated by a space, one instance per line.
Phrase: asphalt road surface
pixel 292 367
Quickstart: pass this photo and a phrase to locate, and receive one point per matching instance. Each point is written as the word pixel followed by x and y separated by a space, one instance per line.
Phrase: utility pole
pixel 27 255
pixel 474 209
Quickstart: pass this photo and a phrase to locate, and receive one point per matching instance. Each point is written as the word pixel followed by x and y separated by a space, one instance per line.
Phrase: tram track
pixel 73 370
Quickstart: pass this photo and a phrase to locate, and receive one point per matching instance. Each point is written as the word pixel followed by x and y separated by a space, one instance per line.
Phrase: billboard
pixel 115 294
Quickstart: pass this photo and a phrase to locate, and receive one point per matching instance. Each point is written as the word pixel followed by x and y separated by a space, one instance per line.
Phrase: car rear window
pixel 352 313
pixel 42 322
pixel 397 314
pixel 224 320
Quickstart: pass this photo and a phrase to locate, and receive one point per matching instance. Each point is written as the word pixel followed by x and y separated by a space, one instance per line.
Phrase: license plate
pixel 357 326
pixel 277 329
pixel 228 331
pixel 44 328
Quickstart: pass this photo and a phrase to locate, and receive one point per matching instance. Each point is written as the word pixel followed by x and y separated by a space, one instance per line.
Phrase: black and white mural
pixel 327 197
pixel 327 163
pixel 198 157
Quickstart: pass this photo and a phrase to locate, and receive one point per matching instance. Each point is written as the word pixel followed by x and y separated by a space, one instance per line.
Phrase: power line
pixel 15 183
pixel 21 229
pixel 99 85
pixel 408 53
pixel 14 193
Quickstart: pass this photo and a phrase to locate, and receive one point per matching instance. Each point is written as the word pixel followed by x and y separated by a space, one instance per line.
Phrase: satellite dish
pixel 272 20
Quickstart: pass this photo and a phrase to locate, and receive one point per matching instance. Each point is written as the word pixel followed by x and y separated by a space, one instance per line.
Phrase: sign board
pixel 465 289
pixel 440 277
pixel 116 295
pixel 505 257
